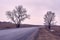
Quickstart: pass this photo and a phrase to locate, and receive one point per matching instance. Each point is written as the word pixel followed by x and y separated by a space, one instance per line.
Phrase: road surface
pixel 18 33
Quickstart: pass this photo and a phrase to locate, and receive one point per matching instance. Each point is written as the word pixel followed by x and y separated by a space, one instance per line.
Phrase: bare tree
pixel 49 19
pixel 17 15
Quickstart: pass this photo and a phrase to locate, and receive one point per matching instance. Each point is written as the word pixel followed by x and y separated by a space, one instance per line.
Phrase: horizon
pixel 35 8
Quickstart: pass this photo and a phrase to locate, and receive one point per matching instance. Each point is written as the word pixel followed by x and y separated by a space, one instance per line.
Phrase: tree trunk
pixel 18 25
pixel 49 26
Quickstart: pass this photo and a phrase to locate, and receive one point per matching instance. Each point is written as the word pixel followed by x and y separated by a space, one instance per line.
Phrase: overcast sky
pixel 35 8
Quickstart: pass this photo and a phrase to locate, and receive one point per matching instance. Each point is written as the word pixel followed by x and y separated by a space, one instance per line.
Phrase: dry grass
pixel 56 31
pixel 47 35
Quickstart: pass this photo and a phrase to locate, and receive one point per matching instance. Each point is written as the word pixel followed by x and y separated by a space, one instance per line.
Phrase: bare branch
pixel 17 15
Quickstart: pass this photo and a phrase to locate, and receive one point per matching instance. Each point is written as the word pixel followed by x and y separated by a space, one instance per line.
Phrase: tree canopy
pixel 17 15
pixel 49 18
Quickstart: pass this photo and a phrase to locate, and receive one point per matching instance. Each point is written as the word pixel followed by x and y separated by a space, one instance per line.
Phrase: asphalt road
pixel 18 33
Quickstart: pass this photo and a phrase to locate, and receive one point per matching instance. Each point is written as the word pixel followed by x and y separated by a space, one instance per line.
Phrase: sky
pixel 35 8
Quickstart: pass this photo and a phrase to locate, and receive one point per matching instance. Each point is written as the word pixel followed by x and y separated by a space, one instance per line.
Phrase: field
pixel 45 34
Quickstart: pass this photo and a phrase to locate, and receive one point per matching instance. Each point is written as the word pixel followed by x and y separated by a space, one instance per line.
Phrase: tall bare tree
pixel 49 19
pixel 17 15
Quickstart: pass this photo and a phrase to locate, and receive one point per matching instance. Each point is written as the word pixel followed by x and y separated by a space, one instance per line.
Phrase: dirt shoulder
pixel 47 35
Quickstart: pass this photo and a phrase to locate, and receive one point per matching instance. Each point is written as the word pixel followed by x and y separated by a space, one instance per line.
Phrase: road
pixel 18 33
